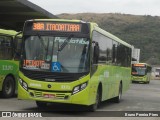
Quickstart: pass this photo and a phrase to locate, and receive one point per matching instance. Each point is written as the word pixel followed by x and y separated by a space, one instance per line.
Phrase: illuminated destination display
pixel 33 63
pixel 139 65
pixel 62 27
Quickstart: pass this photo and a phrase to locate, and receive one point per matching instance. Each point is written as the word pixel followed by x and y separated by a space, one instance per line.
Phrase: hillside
pixel 141 31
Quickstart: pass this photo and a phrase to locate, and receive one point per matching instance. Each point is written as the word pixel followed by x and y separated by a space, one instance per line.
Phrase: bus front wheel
pixel 8 89
pixel 97 103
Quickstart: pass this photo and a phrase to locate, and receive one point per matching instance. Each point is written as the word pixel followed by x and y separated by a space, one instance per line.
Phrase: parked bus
pixel 8 62
pixel 141 72
pixel 71 61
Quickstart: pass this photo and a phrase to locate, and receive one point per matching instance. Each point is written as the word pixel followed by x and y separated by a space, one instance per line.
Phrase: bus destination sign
pixel 139 65
pixel 59 27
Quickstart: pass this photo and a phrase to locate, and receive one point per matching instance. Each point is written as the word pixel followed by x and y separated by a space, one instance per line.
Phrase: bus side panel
pixel 100 76
pixel 126 78
pixel 110 77
pixel 93 84
pixel 8 67
pixel 108 81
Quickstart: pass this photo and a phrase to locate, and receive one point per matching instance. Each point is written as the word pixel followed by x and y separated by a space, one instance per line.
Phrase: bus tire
pixel 118 98
pixel 41 104
pixel 8 89
pixel 94 107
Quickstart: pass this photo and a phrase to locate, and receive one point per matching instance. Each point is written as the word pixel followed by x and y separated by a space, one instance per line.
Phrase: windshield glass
pixel 42 53
pixel 138 71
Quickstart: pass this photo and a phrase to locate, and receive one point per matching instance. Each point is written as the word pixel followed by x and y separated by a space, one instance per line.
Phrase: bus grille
pixel 58 95
pixel 38 93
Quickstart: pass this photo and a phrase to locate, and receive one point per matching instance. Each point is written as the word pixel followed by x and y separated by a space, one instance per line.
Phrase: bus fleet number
pixel 7 67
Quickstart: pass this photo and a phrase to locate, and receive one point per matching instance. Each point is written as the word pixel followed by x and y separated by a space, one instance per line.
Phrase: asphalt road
pixel 140 97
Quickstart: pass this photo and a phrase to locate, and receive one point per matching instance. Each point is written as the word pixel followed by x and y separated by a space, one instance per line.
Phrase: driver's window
pixel 6 50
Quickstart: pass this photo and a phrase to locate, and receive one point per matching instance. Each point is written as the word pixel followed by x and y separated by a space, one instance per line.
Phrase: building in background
pixel 135 55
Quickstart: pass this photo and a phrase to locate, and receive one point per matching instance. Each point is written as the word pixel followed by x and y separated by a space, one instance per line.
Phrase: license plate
pixel 49 95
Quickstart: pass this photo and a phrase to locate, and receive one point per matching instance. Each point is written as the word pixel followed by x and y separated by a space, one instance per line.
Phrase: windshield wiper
pixel 65 43
pixel 45 47
pixel 41 41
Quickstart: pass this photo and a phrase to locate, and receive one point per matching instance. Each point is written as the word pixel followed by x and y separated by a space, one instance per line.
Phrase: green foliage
pixel 140 31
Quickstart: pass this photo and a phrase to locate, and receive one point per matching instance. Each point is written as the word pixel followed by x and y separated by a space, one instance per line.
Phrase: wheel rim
pixel 8 87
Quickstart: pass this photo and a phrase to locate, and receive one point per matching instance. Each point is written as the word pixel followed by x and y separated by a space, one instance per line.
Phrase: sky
pixel 135 7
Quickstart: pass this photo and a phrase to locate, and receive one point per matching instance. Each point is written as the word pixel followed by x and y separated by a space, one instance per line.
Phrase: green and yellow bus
pixel 141 72
pixel 71 61
pixel 9 64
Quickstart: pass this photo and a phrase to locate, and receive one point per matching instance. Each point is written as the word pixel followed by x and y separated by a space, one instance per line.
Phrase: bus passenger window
pixel 105 48
pixel 5 48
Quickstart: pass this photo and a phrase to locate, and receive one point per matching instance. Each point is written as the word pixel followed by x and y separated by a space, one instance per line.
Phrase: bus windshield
pixel 138 71
pixel 41 53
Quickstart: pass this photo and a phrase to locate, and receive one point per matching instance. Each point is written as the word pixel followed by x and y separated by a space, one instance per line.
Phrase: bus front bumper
pixel 81 98
pixel 139 79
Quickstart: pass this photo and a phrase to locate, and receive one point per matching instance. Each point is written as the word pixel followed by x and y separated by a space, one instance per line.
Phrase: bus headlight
pixel 79 88
pixel 23 84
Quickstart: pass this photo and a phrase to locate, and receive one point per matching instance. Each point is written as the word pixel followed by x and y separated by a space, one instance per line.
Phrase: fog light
pixel 31 94
pixel 66 97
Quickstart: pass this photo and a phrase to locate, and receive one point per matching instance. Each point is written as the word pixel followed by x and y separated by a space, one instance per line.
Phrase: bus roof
pixel 8 32
pixel 58 20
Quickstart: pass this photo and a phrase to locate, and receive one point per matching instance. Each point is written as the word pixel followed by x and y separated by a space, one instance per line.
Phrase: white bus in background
pixel 135 55
pixel 157 72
